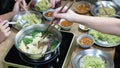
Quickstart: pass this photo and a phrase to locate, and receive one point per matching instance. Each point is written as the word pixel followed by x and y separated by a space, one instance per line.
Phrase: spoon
pixel 21 22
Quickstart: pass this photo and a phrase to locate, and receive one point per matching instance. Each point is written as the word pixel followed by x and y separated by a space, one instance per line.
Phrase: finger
pixel 0 20
pixel 53 3
pixel 24 3
pixel 3 23
pixel 7 29
pixel 7 33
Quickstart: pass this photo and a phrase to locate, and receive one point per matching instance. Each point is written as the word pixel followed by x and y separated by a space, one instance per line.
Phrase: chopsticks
pixel 55 20
pixel 28 12
pixel 103 7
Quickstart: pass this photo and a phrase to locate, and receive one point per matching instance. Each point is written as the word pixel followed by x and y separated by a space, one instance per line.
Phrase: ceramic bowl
pixel 81 7
pixel 48 14
pixel 65 25
pixel 85 40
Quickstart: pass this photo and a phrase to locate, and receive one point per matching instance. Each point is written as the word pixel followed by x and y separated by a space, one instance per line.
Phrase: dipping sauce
pixel 66 23
pixel 85 41
pixel 49 14
pixel 81 7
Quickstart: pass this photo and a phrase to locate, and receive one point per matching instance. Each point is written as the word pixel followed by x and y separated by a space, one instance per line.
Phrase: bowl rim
pixel 85 35
pixel 48 10
pixel 80 25
pixel 65 27
pixel 30 27
pixel 110 4
pixel 95 53
pixel 82 2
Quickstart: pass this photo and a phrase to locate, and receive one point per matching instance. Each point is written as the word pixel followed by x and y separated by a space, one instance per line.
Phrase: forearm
pixel 103 24
pixel 7 16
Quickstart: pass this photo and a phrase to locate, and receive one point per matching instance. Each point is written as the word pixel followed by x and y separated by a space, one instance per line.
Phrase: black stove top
pixel 14 57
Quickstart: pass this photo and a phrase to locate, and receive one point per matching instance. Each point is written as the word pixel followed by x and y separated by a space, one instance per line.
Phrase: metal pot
pixel 37 27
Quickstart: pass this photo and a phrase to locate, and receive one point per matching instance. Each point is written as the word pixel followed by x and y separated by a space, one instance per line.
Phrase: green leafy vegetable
pixel 91 62
pixel 111 39
pixel 54 44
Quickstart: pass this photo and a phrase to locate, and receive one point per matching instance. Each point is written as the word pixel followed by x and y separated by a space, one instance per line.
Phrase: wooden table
pixel 8 43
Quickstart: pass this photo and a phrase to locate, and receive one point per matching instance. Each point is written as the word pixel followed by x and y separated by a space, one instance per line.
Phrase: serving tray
pixel 13 59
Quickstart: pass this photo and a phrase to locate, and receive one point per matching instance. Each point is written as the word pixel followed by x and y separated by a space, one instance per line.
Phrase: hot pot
pixel 38 27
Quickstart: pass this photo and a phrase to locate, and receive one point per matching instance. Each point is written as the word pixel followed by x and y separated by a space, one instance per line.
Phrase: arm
pixel 103 24
pixel 7 16
pixel 15 10
pixel 4 30
pixel 53 2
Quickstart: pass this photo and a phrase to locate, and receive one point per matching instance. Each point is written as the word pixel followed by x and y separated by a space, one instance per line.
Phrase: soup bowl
pixel 27 39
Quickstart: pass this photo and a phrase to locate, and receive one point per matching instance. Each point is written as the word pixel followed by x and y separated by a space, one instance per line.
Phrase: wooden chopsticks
pixel 55 20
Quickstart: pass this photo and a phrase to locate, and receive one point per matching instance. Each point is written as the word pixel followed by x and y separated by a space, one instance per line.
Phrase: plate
pixel 32 18
pixel 97 35
pixel 95 8
pixel 108 62
pixel 117 2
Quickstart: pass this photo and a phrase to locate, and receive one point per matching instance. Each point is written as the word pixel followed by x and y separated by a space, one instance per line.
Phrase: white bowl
pixel 67 26
pixel 86 42
pixel 47 14
pixel 83 27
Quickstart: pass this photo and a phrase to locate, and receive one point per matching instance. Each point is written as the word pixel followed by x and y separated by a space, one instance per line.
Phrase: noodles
pixel 91 62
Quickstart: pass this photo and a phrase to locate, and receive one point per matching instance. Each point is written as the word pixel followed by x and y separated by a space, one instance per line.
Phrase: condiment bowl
pixel 81 7
pixel 48 14
pixel 85 40
pixel 65 24
pixel 83 27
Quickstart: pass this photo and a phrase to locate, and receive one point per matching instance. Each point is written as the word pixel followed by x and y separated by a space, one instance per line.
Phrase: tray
pixel 75 49
pixel 12 59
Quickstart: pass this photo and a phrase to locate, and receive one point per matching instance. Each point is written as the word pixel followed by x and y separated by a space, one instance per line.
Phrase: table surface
pixel 8 43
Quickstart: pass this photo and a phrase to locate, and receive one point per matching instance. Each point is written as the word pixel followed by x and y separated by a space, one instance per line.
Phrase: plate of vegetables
pixel 24 19
pixel 92 58
pixel 40 5
pixel 109 9
pixel 105 40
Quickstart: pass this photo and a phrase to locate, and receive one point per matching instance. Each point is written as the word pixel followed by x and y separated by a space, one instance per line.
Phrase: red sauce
pixel 66 23
pixel 49 14
pixel 85 41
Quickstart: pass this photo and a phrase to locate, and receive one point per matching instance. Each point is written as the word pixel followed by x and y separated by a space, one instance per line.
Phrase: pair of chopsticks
pixel 28 11
pixel 55 21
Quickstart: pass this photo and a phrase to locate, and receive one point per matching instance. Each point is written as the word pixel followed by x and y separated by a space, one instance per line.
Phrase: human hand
pixel 17 8
pixel 69 15
pixel 53 2
pixel 4 30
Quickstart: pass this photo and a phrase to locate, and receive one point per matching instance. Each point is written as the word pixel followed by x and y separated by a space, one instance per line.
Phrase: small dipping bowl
pixel 65 25
pixel 48 14
pixel 85 40
pixel 83 27
pixel 81 7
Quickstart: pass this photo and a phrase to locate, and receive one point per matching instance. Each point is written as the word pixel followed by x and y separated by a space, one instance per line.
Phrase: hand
pixel 69 15
pixel 4 30
pixel 17 8
pixel 53 2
